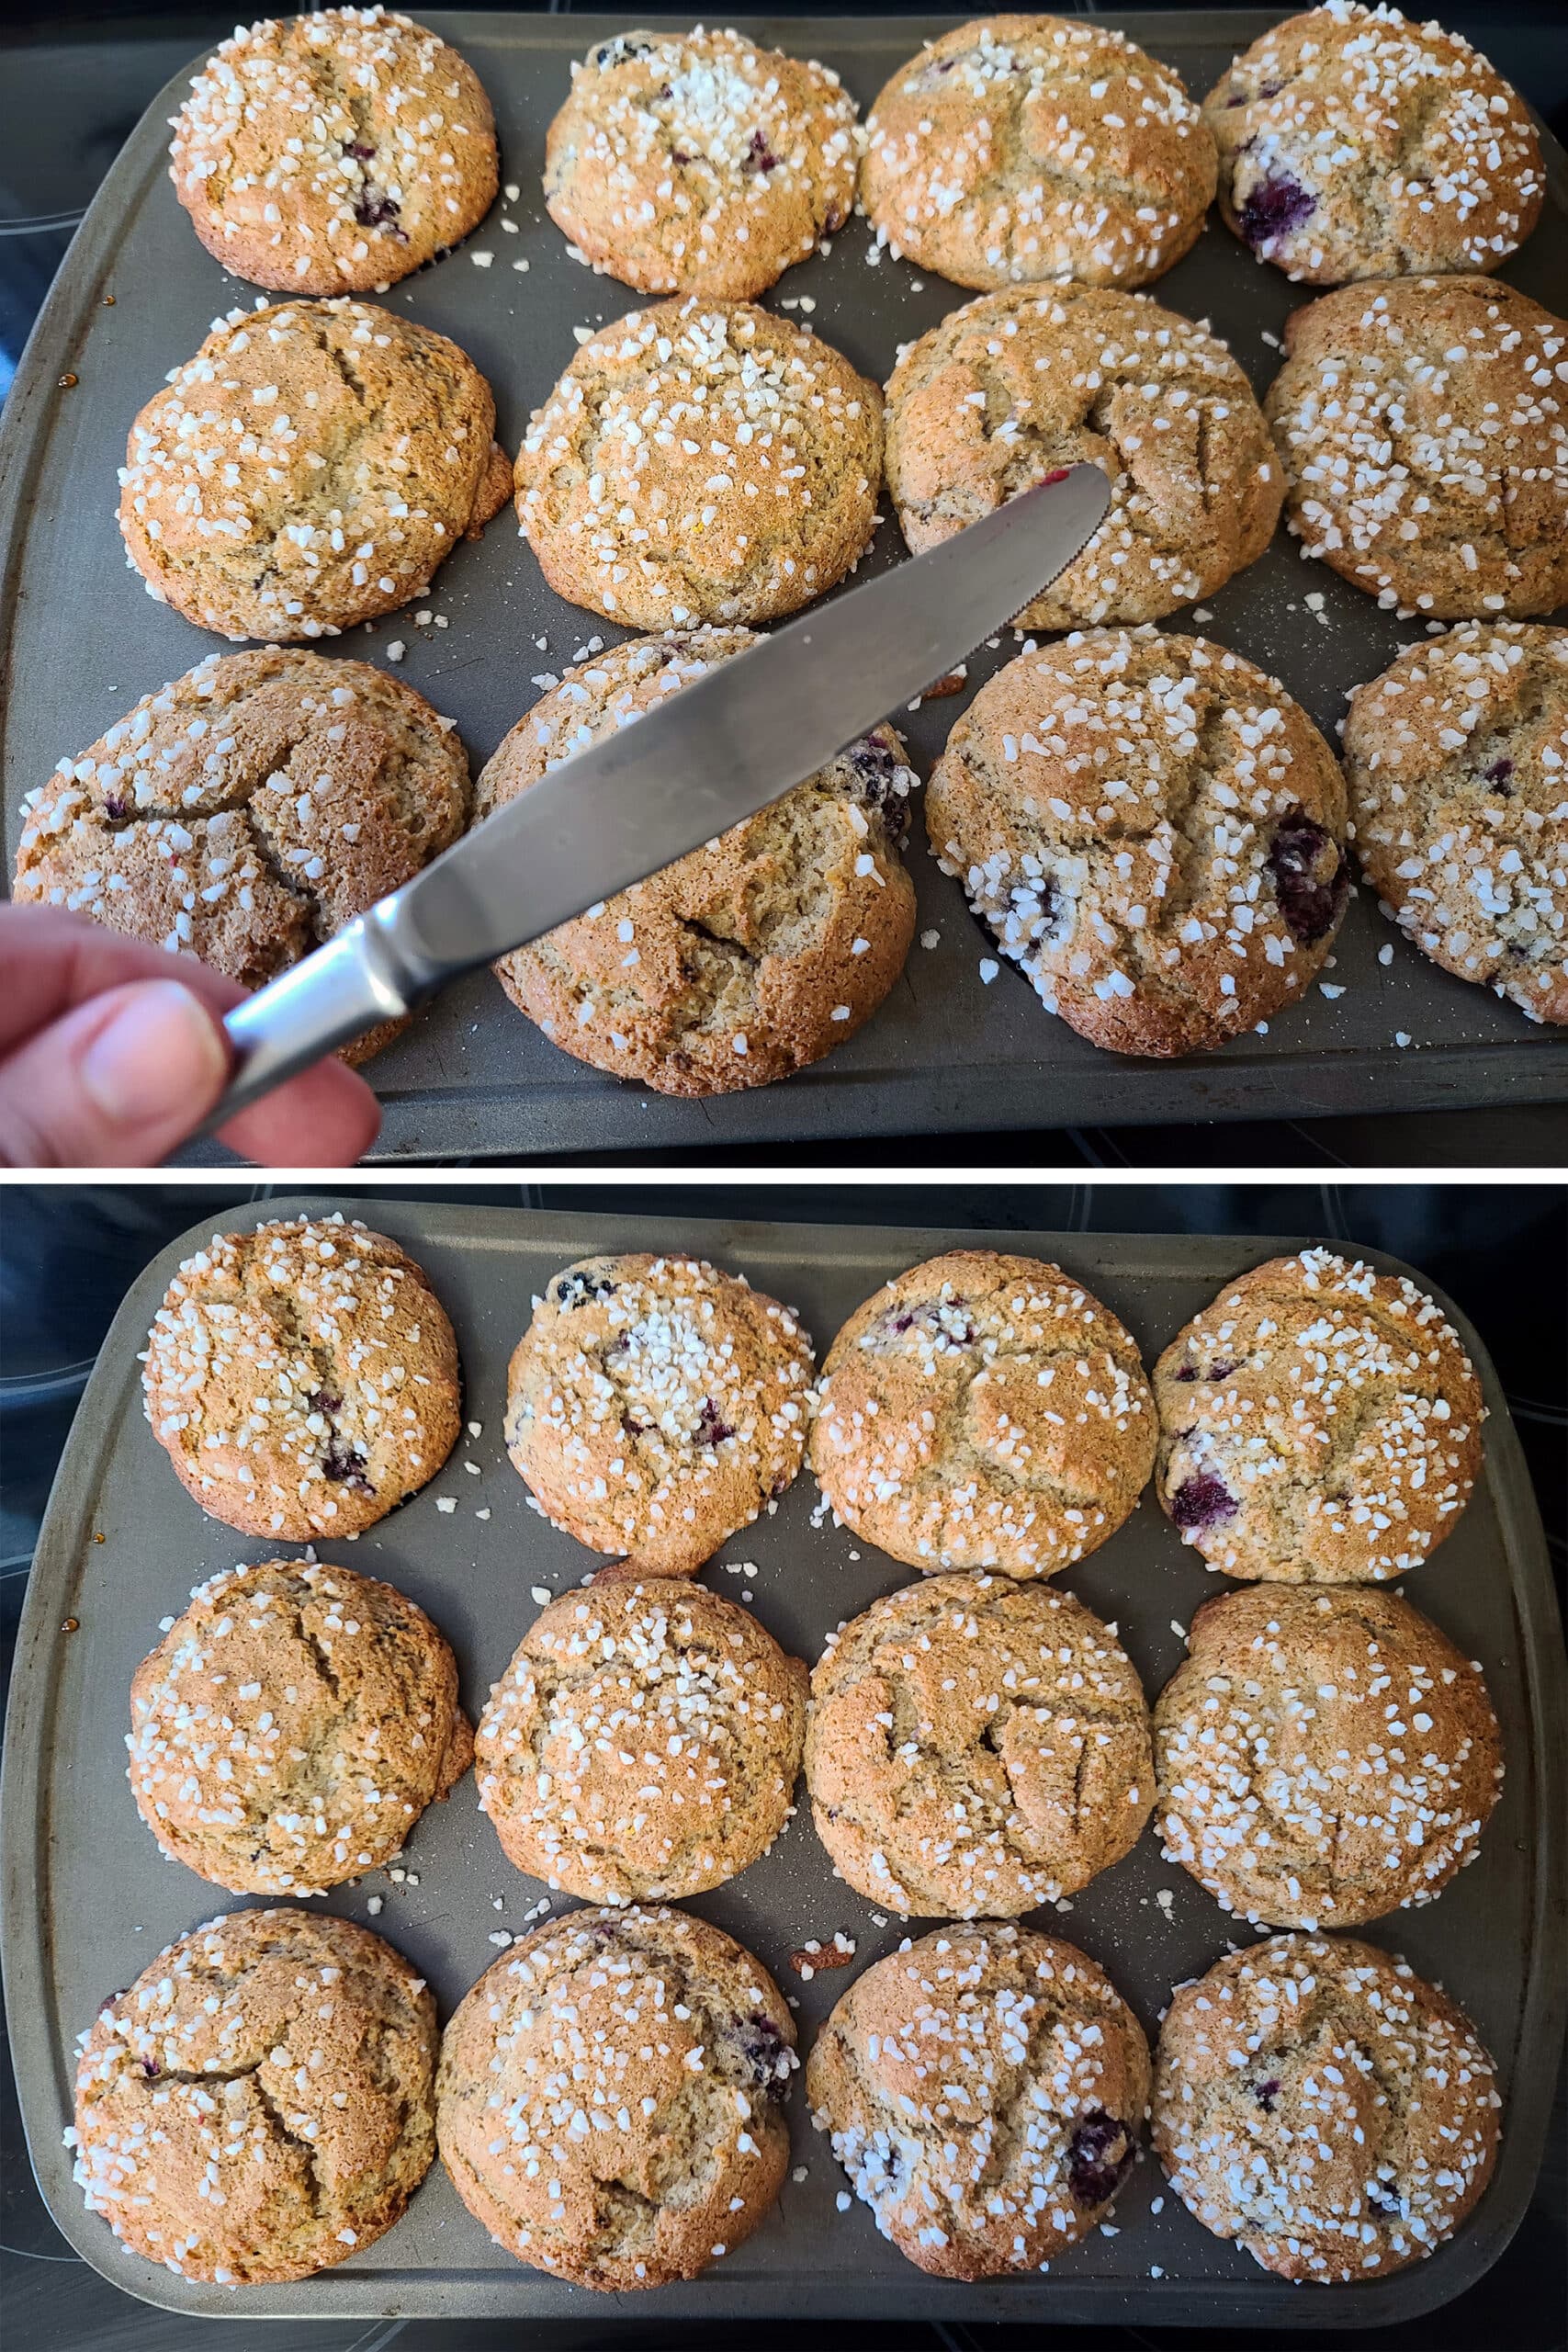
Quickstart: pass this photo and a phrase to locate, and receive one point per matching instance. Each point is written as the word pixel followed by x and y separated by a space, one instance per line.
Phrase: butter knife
pixel 718 751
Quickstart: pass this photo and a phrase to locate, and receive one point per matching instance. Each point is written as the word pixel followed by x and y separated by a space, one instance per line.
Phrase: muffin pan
pixel 946 1053
pixel 89 1900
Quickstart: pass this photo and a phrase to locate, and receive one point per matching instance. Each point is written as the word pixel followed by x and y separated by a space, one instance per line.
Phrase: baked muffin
pixel 1324 1757
pixel 1013 386
pixel 246 812
pixel 679 2046
pixel 302 1378
pixel 984 2089
pixel 1021 148
pixel 1319 2103
pixel 655 1405
pixel 1457 763
pixel 699 163
pixel 259 2104
pixel 292 1726
pixel 976 1747
pixel 1320 1423
pixel 750 958
pixel 333 152
pixel 984 1411
pixel 643 1743
pixel 1354 143
pixel 311 467
pixel 1152 829
pixel 1422 462
pixel 634 511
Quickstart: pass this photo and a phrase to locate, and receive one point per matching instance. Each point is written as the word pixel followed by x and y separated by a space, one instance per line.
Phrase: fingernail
pixel 160 1055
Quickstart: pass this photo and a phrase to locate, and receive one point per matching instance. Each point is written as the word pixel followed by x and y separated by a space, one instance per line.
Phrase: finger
pixel 53 961
pixel 327 1118
pixel 117 1083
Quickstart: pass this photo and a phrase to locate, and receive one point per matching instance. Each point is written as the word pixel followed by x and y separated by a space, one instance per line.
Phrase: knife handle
pixel 361 977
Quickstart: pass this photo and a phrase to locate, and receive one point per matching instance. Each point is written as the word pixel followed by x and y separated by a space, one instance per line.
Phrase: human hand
pixel 112 1053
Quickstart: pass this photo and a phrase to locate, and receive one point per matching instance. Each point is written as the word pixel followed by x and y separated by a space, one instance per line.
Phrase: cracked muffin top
pixel 1152 829
pixel 333 152
pixel 643 1744
pixel 699 163
pixel 752 956
pixel 655 1405
pixel 976 1747
pixel 1324 1756
pixel 701 461
pixel 1421 426
pixel 1021 148
pixel 678 2045
pixel 245 812
pixel 309 469
pixel 985 2091
pixel 292 1726
pixel 259 2104
pixel 1014 385
pixel 302 1378
pixel 1457 763
pixel 1317 2101
pixel 1354 143
pixel 984 1411
pixel 1320 1423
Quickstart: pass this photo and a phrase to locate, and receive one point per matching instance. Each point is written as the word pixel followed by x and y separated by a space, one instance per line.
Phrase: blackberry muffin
pixel 1320 1423
pixel 309 469
pixel 698 162
pixel 292 1726
pixel 1014 385
pixel 1457 762
pixel 680 2047
pixel 976 1747
pixel 1422 462
pixel 750 958
pixel 984 2090
pixel 1317 2101
pixel 643 1744
pixel 655 1405
pixel 246 812
pixel 333 152
pixel 701 461
pixel 259 2104
pixel 1015 148
pixel 984 1411
pixel 1354 143
pixel 1152 829
pixel 302 1378
pixel 1323 1757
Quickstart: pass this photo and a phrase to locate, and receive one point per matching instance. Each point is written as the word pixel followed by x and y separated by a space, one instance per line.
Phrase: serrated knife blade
pixel 721 749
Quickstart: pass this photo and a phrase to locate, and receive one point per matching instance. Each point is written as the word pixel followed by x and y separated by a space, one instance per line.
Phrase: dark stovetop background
pixel 74 77
pixel 67 1257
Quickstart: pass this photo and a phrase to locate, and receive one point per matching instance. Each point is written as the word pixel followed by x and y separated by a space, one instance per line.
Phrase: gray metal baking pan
pixel 946 1053
pixel 89 1901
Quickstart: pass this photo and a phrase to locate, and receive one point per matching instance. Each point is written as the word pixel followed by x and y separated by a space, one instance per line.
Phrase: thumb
pixel 118 1082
